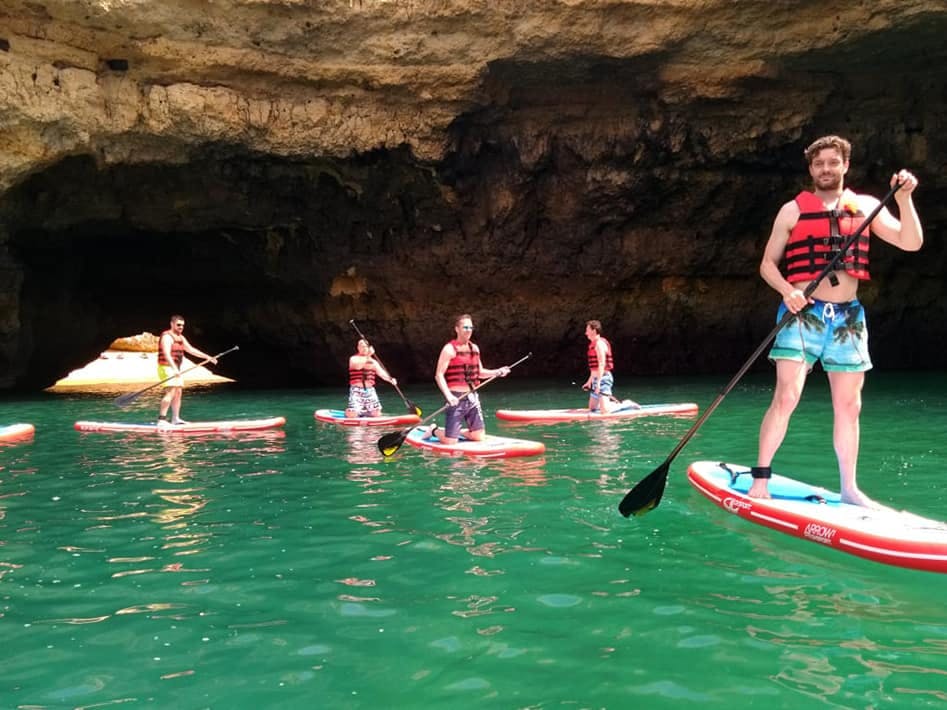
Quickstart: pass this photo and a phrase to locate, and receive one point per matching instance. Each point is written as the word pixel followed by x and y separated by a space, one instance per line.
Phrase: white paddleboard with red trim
pixel 337 416
pixel 626 411
pixel 816 514
pixel 492 447
pixel 220 427
pixel 16 432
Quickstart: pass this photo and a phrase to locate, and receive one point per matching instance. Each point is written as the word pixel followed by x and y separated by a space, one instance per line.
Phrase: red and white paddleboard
pixel 220 427
pixel 549 416
pixel 890 536
pixel 16 432
pixel 495 447
pixel 337 416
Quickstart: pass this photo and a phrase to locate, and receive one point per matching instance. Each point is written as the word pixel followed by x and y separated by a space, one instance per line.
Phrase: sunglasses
pixel 466 327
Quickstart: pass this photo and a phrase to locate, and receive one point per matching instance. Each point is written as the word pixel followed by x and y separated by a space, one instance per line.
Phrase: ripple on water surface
pixel 261 570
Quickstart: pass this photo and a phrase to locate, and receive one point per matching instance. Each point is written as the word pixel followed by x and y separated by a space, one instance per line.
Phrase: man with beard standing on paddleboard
pixel 830 324
pixel 458 371
pixel 171 348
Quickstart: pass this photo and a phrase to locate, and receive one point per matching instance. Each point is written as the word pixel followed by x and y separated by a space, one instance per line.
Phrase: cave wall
pixel 628 174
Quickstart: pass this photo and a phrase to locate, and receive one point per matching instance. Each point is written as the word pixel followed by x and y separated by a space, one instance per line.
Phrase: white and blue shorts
pixel 836 334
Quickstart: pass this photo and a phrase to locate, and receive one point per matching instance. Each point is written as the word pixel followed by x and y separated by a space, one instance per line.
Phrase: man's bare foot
pixel 856 497
pixel 759 489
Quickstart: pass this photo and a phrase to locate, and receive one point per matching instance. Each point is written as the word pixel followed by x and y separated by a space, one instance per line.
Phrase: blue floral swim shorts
pixel 834 333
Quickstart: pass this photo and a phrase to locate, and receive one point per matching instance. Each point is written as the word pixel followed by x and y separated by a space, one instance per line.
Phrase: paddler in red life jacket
pixel 459 370
pixel 601 373
pixel 600 381
pixel 363 367
pixel 830 325
pixel 171 348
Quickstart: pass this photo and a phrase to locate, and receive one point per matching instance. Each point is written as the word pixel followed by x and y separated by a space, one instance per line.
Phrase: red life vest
pixel 177 349
pixel 463 370
pixel 362 377
pixel 819 234
pixel 593 356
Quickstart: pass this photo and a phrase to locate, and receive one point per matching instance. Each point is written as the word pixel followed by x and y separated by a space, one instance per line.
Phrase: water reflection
pixel 605 441
pixel 613 450
pixel 470 492
pixel 361 450
pixel 16 461
pixel 524 471
pixel 475 495
pixel 180 475
pixel 832 640
pixel 371 479
pixel 362 443
pixel 629 450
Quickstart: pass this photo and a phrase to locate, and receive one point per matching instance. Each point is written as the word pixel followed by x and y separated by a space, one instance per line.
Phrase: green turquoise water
pixel 299 569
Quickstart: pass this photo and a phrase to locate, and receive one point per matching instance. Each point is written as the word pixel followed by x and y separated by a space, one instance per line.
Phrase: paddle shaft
pixel 124 399
pixel 409 405
pixel 787 316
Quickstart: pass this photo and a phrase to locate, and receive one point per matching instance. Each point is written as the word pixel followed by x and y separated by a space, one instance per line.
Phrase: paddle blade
pixel 647 494
pixel 125 399
pixel 413 408
pixel 391 442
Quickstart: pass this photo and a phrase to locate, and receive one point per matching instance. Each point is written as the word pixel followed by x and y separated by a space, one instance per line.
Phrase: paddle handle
pixel 374 355
pixel 359 332
pixel 362 336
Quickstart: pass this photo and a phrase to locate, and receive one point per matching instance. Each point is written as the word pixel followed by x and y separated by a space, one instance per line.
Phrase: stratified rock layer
pixel 275 169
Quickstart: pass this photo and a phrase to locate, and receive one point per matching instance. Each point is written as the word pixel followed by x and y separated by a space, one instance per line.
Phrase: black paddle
pixel 392 441
pixel 412 407
pixel 647 493
pixel 126 399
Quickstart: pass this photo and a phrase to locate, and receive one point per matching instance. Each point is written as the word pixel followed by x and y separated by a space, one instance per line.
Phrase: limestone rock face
pixel 273 169
pixel 142 343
